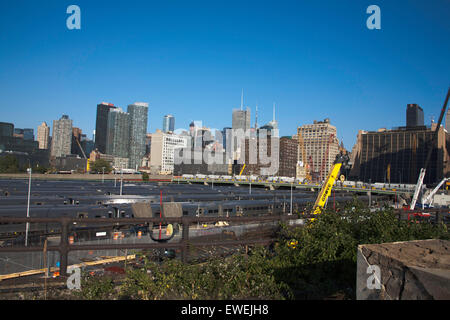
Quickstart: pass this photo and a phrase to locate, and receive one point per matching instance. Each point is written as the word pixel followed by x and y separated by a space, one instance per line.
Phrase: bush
pixel 236 277
pixel 145 176
pixel 315 261
pixel 323 261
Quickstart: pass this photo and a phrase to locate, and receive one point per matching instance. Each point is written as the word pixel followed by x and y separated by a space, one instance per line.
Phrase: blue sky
pixel 314 59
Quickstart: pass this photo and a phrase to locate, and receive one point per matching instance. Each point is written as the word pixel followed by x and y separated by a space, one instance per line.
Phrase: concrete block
pixel 412 270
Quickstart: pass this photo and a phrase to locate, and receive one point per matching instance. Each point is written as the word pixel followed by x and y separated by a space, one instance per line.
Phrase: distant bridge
pixel 377 188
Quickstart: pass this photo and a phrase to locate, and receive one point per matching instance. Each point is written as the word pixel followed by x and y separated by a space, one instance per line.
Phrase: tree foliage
pixel 9 164
pixel 98 165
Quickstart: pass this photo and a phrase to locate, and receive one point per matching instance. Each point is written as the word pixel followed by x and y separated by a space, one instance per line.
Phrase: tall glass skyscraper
pixel 118 133
pixel 414 115
pixel 138 129
pixel 101 125
pixel 169 123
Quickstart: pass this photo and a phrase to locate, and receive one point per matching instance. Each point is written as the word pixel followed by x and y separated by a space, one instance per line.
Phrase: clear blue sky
pixel 315 59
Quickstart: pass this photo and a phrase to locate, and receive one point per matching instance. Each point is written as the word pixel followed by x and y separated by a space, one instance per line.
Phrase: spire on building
pixel 256 117
pixel 242 99
pixel 273 119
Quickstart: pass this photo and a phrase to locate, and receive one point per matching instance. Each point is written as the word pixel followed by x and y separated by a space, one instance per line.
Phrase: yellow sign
pixel 342 178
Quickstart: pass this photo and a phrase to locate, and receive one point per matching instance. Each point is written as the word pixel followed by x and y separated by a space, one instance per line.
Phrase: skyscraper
pixel 43 135
pixel 241 119
pixel 118 133
pixel 62 137
pixel 101 125
pixel 169 123
pixel 414 115
pixel 6 129
pixel 138 129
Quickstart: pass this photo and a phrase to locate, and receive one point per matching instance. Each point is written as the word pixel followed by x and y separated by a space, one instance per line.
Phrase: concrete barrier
pixel 78 176
pixel 412 270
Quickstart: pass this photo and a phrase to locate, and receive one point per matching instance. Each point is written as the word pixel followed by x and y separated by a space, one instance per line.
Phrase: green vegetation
pixel 98 165
pixel 9 164
pixel 316 261
pixel 145 176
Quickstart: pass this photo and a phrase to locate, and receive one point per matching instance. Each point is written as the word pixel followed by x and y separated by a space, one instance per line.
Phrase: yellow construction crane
pixel 242 170
pixel 301 148
pixel 341 160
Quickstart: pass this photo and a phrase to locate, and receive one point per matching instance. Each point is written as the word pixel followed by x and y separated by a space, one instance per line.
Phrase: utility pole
pixel 28 207
pixel 121 180
pixel 291 200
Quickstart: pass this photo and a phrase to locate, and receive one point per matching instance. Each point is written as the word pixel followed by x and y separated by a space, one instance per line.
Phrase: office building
pixel 138 129
pixel 414 115
pixel 26 134
pixel 61 137
pixel 168 123
pixel 43 136
pixel 101 125
pixel 288 157
pixel 397 155
pixel 6 129
pixel 321 146
pixel 162 154
pixel 260 155
pixel 241 119
pixel 118 133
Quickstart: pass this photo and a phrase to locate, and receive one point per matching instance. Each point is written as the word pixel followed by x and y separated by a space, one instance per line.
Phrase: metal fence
pixel 64 247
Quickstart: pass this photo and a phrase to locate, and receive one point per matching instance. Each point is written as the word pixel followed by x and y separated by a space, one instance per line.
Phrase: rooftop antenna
pixel 256 116
pixel 242 99
pixel 274 111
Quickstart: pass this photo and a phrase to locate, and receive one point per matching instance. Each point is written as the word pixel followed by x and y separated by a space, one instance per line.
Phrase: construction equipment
pixel 419 184
pixel 79 145
pixel 242 169
pixel 428 201
pixel 341 161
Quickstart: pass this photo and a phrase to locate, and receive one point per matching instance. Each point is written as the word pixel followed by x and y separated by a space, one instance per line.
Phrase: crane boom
pixel 432 193
pixel 78 142
pixel 433 139
pixel 325 192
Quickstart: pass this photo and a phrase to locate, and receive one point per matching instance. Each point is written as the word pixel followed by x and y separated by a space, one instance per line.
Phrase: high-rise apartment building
pixel 321 146
pixel 43 135
pixel 118 133
pixel 414 115
pixel 101 125
pixel 61 137
pixel 138 129
pixel 168 123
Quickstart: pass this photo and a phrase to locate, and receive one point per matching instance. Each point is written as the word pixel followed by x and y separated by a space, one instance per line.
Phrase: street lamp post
pixel 103 174
pixel 121 180
pixel 291 199
pixel 28 207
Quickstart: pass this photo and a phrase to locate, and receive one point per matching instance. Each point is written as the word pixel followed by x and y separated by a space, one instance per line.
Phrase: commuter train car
pixel 227 208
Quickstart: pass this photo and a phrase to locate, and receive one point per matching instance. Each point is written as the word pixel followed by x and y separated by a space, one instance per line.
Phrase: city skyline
pixel 314 61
